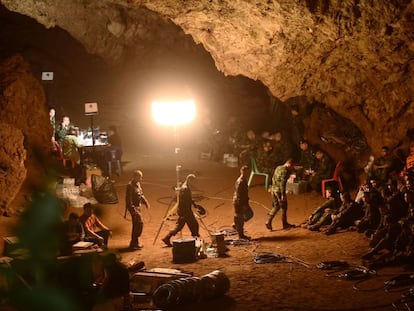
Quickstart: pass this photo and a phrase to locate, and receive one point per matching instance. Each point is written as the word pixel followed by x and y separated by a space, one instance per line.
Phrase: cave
pixel 345 64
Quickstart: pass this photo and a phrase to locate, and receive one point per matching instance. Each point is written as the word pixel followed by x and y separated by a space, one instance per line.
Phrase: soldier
pixel 281 150
pixel 307 160
pixel 381 167
pixel 247 147
pixel 348 213
pixel 264 158
pixel 133 199
pixel 184 211
pixel 241 202
pixel 323 170
pixel 278 191
pixel 331 205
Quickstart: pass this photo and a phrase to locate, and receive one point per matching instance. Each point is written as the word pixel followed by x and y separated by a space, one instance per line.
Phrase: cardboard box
pixel 296 187
pixel 148 282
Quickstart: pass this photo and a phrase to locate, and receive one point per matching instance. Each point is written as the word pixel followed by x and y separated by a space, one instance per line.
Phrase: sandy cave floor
pixel 273 286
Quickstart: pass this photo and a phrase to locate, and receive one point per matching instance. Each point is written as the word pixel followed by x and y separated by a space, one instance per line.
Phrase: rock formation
pixel 353 56
pixel 25 130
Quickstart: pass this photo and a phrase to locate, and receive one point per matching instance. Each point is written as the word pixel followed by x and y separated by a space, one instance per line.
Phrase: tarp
pixel 103 190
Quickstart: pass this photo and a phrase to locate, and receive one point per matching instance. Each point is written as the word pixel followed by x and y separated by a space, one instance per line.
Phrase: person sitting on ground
pixel 409 161
pixel 348 213
pixel 386 234
pixel 95 230
pixel 73 233
pixel 371 203
pixel 331 205
pixel 381 167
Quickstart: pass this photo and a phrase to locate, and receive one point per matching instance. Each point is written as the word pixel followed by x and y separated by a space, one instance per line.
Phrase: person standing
pixel 133 199
pixel 241 202
pixel 114 143
pixel 184 211
pixel 52 119
pixel 278 192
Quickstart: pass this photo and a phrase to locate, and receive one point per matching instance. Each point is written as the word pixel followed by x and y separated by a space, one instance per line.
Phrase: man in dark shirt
pixel 324 170
pixel 184 211
pixel 241 202
pixel 133 199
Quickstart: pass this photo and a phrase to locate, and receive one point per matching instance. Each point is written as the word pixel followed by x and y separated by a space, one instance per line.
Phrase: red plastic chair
pixel 61 156
pixel 336 177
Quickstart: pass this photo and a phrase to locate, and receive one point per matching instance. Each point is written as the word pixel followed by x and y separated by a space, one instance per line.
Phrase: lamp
pixel 174 113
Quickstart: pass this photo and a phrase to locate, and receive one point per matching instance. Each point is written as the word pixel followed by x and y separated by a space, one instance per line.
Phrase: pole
pixel 176 151
pixel 93 136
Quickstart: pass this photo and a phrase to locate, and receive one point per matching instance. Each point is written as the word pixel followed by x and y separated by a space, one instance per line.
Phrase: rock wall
pixel 12 168
pixel 354 56
pixel 25 130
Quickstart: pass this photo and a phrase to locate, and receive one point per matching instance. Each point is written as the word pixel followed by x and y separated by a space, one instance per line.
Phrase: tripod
pixel 173 205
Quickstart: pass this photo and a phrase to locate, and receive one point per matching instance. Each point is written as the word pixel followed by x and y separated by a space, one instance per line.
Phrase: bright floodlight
pixel 173 112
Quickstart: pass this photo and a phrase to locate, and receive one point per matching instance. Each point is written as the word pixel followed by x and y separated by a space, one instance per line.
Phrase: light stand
pixel 173 113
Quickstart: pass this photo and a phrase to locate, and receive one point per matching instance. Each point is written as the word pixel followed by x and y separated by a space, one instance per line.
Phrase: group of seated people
pixel 270 150
pixel 382 209
pixel 86 227
pixel 68 144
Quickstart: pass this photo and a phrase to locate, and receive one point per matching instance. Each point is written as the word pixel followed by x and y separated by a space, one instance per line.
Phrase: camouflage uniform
pixel 324 170
pixel 278 191
pixel 348 213
pixel 241 204
pixel 307 159
pixel 282 150
pixel 381 174
pixel 264 161
pixel 249 152
pixel 320 213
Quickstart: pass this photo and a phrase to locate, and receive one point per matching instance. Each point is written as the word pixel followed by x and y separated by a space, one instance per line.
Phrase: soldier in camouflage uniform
pixel 278 191
pixel 264 158
pixel 247 147
pixel 307 160
pixel 381 167
pixel 241 201
pixel 331 205
pixel 282 149
pixel 323 170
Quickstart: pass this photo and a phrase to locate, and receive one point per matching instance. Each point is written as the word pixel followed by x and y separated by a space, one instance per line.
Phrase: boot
pixel 285 223
pixel 166 240
pixel 268 223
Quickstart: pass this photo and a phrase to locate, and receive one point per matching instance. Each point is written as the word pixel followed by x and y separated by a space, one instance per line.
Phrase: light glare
pixel 173 112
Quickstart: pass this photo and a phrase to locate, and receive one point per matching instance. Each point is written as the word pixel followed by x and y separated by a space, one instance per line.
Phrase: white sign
pixel 47 76
pixel 91 108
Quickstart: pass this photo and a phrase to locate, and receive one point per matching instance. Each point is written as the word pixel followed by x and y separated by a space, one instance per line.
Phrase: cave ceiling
pixel 354 56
